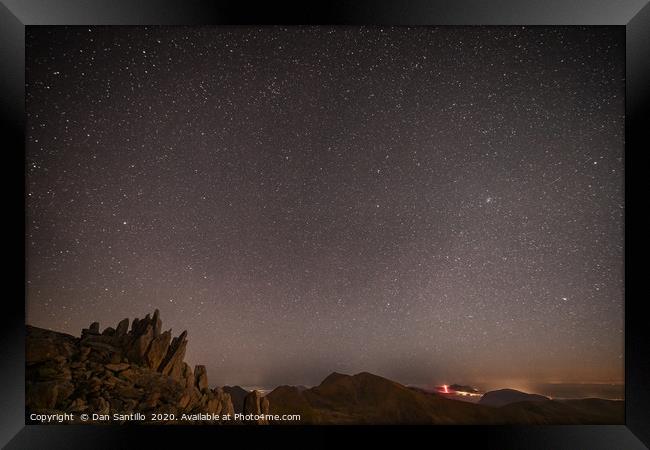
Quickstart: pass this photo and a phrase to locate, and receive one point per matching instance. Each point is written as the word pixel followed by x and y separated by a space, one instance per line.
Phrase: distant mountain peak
pixel 334 377
pixel 502 397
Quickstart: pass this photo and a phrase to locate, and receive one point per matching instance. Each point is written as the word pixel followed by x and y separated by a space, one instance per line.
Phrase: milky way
pixel 426 204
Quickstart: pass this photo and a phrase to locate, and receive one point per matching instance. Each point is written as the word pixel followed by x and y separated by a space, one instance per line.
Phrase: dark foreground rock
pixel 120 371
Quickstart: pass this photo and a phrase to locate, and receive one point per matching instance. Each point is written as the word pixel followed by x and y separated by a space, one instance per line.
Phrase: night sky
pixel 426 204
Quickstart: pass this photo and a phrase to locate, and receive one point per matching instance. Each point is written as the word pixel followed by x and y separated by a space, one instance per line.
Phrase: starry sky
pixel 430 204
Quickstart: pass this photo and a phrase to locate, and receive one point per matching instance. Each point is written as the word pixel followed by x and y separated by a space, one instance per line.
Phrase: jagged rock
pixel 225 401
pixel 122 328
pixel 187 377
pixel 92 330
pixel 139 347
pixel 201 377
pixel 253 404
pixel 176 371
pixel 158 349
pixel 139 327
pixel 172 364
pixel 229 409
pixel 185 398
pixel 120 370
pixel 157 323
pixel 213 405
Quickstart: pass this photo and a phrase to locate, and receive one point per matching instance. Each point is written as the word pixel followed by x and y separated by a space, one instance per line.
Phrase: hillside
pixel 504 397
pixel 369 399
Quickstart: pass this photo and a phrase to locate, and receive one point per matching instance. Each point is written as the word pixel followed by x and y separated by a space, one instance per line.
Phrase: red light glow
pixel 444 389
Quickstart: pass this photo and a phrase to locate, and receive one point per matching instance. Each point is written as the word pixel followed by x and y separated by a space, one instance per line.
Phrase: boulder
pixel 227 406
pixel 187 376
pixel 185 398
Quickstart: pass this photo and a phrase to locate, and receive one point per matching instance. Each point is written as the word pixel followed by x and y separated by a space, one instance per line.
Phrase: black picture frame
pixel 15 15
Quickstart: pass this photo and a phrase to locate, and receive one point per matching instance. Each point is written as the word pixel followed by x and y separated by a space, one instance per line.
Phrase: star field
pixel 425 204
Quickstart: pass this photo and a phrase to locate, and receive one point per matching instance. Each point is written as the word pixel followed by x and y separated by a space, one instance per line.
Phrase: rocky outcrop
pixel 257 405
pixel 119 370
pixel 172 363
pixel 158 349
pixel 237 395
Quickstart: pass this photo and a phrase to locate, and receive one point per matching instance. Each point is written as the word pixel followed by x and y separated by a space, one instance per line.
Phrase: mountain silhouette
pixel 365 398
pixel 504 397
